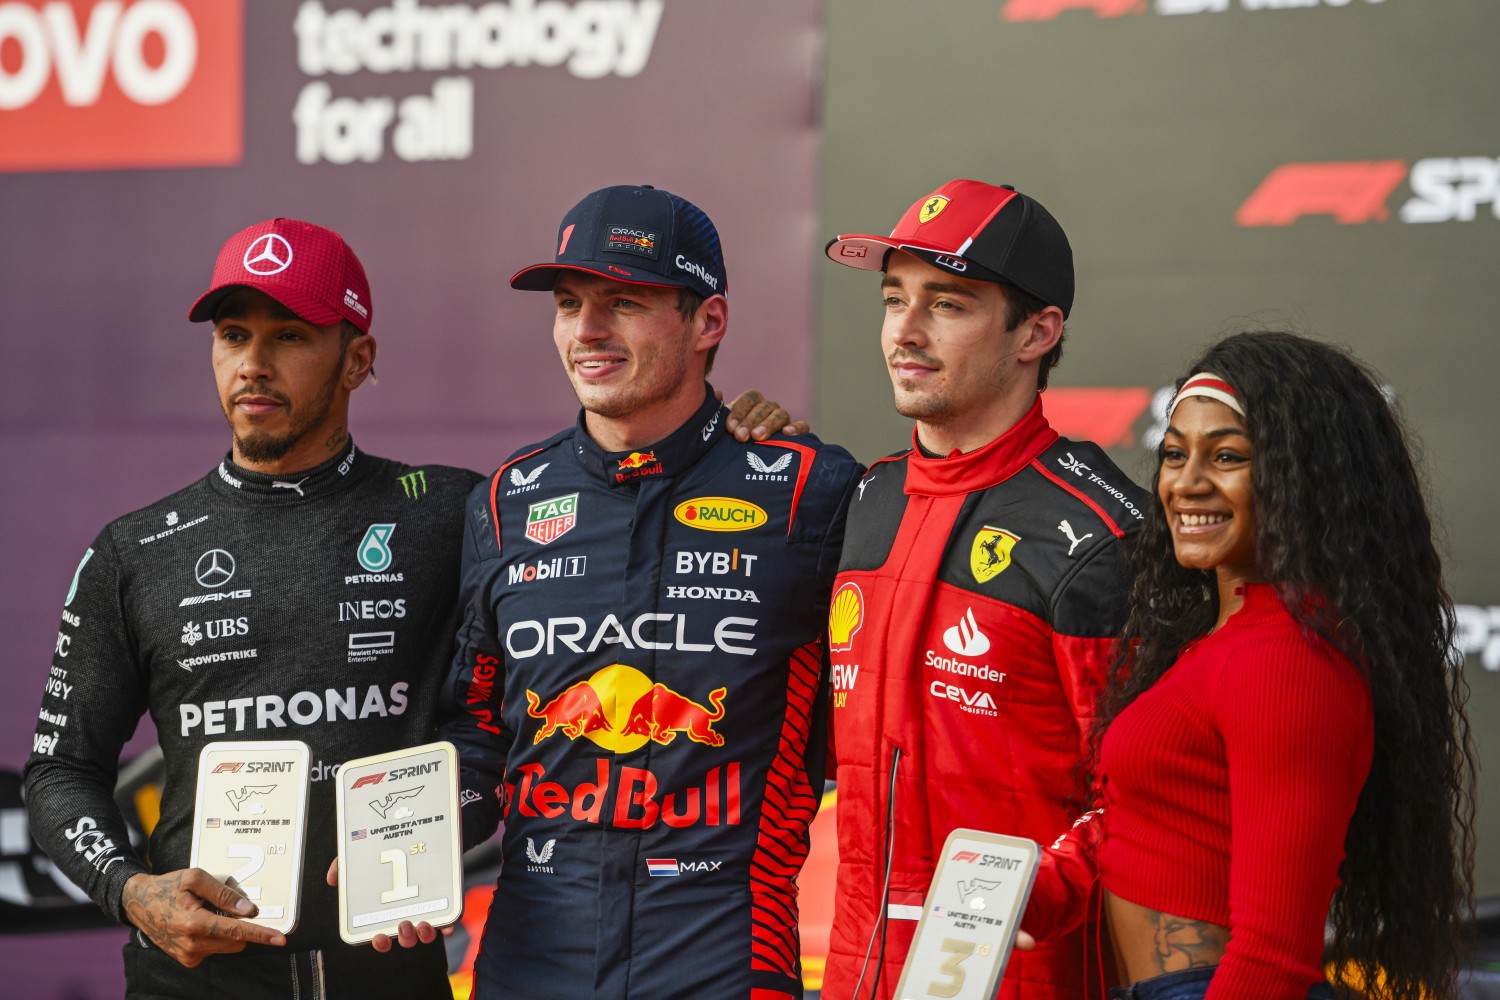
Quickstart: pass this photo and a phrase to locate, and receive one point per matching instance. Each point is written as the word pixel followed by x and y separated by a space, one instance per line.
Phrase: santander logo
pixel 965 639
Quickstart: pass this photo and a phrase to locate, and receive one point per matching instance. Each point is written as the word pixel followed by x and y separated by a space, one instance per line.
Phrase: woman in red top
pixel 1284 740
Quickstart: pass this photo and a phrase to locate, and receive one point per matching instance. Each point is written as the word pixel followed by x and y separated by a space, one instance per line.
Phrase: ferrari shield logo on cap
pixel 990 555
pixel 932 208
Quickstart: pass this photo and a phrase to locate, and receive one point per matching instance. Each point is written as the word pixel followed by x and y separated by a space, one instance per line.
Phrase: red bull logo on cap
pixel 620 709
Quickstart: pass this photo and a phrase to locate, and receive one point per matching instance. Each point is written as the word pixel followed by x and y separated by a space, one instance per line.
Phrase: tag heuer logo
pixel 549 520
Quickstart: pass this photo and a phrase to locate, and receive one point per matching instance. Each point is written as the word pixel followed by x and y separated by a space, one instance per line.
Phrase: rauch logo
pixel 96 86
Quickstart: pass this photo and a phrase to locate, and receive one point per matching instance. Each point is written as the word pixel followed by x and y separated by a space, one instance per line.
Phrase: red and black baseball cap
pixel 306 268
pixel 980 231
pixel 637 234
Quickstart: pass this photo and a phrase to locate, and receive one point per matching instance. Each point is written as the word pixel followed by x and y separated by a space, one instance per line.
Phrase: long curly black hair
pixel 1341 516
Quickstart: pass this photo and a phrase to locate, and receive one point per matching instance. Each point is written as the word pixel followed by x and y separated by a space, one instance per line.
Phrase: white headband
pixel 1211 386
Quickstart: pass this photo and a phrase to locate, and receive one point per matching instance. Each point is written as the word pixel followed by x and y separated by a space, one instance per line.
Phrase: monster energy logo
pixel 414 484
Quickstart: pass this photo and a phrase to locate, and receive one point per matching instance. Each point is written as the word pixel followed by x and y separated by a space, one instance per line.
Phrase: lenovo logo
pixel 120 83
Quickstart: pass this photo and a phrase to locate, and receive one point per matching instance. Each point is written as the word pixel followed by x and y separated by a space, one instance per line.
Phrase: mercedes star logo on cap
pixel 215 568
pixel 269 254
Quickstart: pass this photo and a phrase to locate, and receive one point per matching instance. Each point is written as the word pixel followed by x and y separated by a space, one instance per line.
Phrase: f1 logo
pixel 121 83
pixel 1351 192
pixel 368 779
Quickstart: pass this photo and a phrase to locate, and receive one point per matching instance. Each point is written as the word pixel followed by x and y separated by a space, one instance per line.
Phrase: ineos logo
pixel 215 568
pixel 270 254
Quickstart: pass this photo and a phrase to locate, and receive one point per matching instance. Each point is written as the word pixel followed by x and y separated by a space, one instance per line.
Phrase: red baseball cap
pixel 306 268
pixel 976 230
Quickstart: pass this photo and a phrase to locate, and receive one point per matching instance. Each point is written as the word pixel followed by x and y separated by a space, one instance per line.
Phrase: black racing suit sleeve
pixel 472 698
pixel 96 691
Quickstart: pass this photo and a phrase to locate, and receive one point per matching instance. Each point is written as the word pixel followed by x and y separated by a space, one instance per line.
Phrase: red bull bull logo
pixel 637 464
pixel 620 709
pixel 638 802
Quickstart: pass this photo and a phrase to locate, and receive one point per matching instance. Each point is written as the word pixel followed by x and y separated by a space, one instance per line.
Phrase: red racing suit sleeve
pixel 473 696
pixel 1088 613
pixel 1065 879
pixel 95 694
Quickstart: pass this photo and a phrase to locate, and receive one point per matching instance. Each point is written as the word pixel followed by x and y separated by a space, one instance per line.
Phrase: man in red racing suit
pixel 981 582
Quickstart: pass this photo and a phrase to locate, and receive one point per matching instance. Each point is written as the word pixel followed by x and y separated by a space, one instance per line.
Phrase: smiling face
pixel 1205 488
pixel 283 382
pixel 955 367
pixel 636 362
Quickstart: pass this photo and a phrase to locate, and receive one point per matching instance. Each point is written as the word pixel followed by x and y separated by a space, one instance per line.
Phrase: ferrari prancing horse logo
pixel 990 555
pixel 932 208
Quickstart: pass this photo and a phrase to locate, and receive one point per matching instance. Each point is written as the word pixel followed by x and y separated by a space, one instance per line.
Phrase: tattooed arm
pixel 185 914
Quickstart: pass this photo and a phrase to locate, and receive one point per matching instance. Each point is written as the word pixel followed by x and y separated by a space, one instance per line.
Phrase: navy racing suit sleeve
pixel 95 695
pixel 473 697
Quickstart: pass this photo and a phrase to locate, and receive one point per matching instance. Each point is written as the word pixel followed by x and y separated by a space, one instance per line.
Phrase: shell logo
pixel 846 613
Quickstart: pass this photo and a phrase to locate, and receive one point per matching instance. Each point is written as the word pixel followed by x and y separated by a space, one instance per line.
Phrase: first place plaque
pixel 399 851
pixel 250 823
pixel 969 921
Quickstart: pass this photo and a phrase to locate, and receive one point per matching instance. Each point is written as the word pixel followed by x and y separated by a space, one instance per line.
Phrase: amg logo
pixel 229 595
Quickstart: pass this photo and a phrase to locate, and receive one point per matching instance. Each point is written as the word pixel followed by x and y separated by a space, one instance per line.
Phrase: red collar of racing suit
pixel 984 467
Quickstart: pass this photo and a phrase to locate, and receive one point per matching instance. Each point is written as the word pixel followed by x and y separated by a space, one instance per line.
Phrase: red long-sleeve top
pixel 1227 790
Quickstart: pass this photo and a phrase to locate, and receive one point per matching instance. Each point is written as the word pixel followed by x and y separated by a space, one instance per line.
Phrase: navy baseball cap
pixel 979 231
pixel 639 235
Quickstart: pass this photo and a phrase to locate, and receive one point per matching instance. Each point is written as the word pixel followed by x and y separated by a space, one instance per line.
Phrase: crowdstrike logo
pixel 1444 189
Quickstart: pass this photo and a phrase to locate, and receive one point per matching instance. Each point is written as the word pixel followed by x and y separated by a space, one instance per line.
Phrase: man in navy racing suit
pixel 637 690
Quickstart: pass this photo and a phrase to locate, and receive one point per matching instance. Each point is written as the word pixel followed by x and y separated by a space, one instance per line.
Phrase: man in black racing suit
pixel 301 590
pixel 638 688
